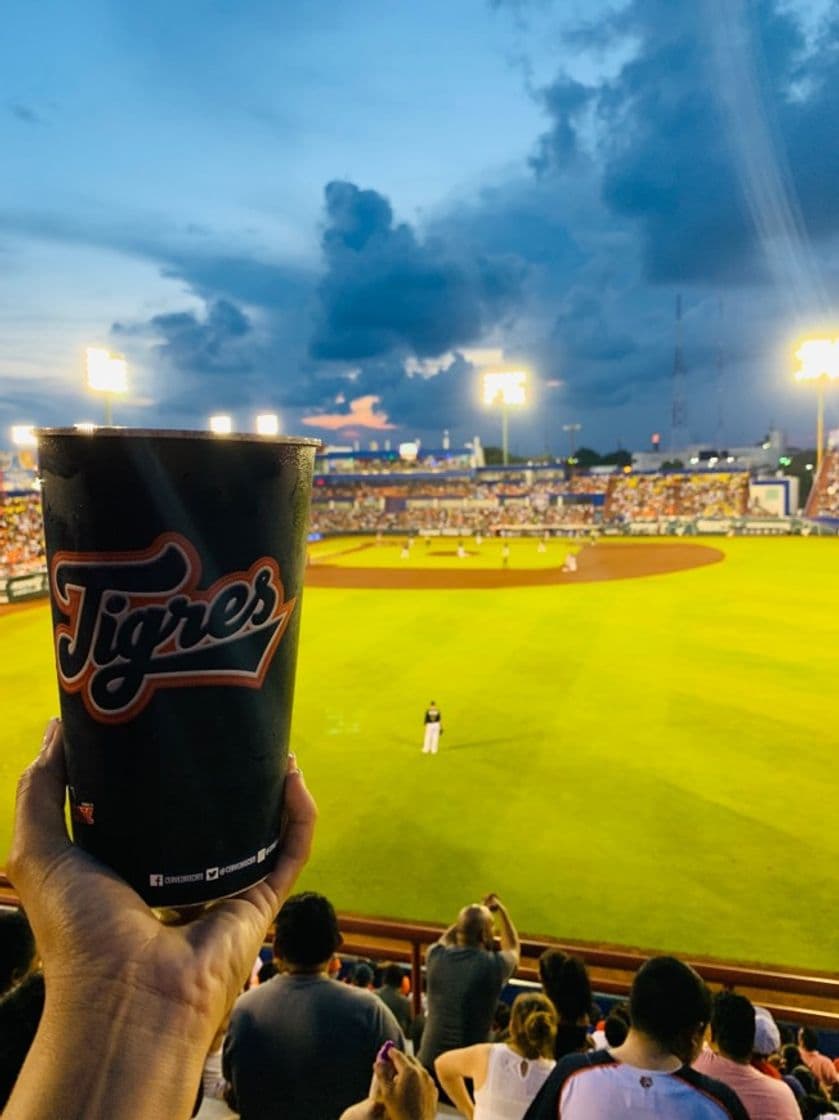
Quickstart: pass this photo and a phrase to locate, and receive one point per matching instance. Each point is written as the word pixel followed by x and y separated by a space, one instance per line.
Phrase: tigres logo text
pixel 136 622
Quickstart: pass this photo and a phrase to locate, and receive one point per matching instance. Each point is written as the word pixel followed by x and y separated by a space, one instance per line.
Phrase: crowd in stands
pixel 459 519
pixel 21 534
pixel 826 497
pixel 142 1018
pixel 635 497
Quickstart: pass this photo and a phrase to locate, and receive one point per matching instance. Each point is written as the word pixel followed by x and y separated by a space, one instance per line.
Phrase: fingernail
pixel 50 733
pixel 292 759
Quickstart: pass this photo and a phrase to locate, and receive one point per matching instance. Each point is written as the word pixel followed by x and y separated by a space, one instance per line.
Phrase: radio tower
pixel 720 371
pixel 678 417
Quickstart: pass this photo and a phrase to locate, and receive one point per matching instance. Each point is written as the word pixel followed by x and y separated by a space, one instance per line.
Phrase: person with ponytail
pixel 505 1076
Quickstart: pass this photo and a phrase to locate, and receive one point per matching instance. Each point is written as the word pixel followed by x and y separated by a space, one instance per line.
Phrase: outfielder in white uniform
pixel 433 729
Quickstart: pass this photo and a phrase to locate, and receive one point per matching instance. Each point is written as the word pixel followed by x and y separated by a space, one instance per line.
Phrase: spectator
pixel 401 1090
pixel 821 1066
pixel 649 1076
pixel 500 1022
pixel 465 976
pixel 285 1034
pixel 363 976
pixel 767 1041
pixel 790 1059
pixel 390 993
pixel 732 1034
pixel 17 948
pixel 615 1028
pixel 506 1076
pixel 566 984
pixel 134 1003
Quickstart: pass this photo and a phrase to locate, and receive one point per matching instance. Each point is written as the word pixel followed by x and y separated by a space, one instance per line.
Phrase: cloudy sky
pixel 344 210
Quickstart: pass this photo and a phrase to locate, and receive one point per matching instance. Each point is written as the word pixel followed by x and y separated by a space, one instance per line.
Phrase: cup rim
pixel 178 433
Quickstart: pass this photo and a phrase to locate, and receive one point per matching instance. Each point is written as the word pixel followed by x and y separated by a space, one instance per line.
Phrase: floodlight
pixel 86 426
pixel 23 435
pixel 221 425
pixel 408 451
pixel 819 359
pixel 505 388
pixel 106 372
pixel 267 424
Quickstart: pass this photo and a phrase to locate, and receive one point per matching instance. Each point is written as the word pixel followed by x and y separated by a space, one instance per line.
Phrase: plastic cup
pixel 176 564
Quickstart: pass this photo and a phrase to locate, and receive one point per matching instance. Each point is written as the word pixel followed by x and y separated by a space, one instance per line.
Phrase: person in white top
pixel 506 1076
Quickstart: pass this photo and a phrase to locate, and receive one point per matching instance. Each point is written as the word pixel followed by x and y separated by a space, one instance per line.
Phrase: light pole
pixel 107 373
pixel 505 389
pixel 570 429
pixel 819 359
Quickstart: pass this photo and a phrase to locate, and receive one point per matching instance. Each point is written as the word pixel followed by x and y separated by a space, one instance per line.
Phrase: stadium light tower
pixel 819 359
pixel 505 389
pixel 23 435
pixel 107 373
pixel 221 425
pixel 267 424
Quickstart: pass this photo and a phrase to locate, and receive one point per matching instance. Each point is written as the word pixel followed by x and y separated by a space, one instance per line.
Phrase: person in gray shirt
pixel 302 1046
pixel 390 994
pixel 465 975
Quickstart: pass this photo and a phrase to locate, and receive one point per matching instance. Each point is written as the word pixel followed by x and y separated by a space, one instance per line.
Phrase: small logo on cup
pixel 155 880
pixel 212 874
pixel 138 621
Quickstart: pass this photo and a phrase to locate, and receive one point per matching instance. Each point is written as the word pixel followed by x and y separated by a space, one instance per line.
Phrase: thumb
pixel 40 832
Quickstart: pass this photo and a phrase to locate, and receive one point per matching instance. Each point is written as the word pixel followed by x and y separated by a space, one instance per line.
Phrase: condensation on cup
pixel 176 565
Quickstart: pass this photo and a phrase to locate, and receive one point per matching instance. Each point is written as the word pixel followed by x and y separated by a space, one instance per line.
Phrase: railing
pixel 800 996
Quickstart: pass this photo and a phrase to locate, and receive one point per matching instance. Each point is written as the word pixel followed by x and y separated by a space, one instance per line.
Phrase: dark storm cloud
pixel 387 292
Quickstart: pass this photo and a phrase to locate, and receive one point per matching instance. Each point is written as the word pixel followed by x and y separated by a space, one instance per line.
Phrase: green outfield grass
pixel 648 761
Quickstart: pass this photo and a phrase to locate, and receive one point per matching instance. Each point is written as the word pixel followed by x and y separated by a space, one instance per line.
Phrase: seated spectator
pixel 820 1064
pixel 284 1034
pixel 18 954
pixel 500 1022
pixel 363 976
pixel 790 1059
pixel 767 1041
pixel 729 1061
pixel 401 1090
pixel 390 993
pixel 566 984
pixel 505 1075
pixel 650 1075
pixel 615 1028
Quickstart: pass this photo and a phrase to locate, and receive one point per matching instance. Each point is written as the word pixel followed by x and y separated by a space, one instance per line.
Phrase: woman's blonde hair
pixel 533 1025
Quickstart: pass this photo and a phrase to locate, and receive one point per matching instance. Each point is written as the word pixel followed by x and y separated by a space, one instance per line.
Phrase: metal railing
pixel 792 995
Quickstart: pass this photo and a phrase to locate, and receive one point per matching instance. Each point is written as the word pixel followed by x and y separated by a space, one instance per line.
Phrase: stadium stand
pixel 21 534
pixel 824 497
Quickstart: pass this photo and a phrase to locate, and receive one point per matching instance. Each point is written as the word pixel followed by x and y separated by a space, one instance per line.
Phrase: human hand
pixel 492 902
pixel 402 1090
pixel 116 975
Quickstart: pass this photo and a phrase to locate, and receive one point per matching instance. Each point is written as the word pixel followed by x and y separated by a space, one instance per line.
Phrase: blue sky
pixel 344 211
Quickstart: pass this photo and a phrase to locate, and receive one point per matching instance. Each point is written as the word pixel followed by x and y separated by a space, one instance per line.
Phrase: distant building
pixel 699 456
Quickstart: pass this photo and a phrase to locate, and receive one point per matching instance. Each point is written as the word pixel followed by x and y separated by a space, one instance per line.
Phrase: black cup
pixel 176 565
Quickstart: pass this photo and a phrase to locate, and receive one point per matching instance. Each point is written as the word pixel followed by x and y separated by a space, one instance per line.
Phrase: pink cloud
pixel 362 414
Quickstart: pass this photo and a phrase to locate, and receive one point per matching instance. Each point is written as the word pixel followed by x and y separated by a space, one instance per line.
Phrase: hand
pixel 402 1090
pixel 113 970
pixel 492 902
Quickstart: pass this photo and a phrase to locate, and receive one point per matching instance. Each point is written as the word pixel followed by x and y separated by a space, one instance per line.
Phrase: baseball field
pixel 642 751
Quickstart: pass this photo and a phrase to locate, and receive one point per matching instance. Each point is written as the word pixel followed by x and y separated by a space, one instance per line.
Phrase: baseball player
pixel 433 729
